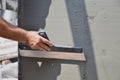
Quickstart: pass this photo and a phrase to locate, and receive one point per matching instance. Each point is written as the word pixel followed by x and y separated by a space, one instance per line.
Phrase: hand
pixel 35 41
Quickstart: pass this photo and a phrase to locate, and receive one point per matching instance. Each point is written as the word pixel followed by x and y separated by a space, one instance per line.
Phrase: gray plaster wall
pixel 91 24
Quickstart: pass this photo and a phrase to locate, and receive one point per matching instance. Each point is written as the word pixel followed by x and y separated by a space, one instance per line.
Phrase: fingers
pixel 46 42
pixel 38 42
pixel 42 44
pixel 44 47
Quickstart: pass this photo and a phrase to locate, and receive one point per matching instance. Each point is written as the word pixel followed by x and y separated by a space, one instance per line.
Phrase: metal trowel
pixel 56 52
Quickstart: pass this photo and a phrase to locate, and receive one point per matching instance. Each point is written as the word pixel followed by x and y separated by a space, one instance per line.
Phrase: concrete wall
pixel 103 18
pixel 92 24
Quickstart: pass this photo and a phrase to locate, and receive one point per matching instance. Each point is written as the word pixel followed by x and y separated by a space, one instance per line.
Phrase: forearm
pixel 10 31
pixel 31 38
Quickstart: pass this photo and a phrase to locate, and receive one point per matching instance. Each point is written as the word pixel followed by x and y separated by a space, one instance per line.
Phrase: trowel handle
pixel 43 34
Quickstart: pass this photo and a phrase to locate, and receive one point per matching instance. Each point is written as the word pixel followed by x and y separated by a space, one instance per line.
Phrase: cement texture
pixel 91 24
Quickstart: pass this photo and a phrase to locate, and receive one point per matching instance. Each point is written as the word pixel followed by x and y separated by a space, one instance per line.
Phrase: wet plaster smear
pixel 91 24
pixel 94 25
